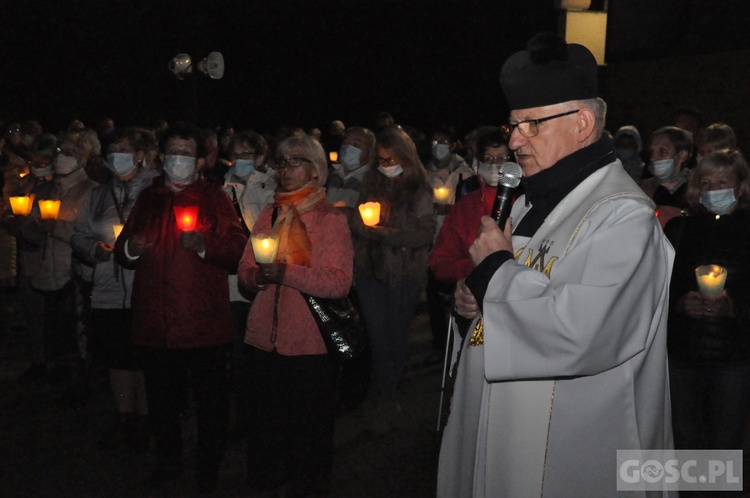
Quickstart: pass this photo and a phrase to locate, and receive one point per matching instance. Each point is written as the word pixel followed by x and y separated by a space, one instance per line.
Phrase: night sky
pixel 307 63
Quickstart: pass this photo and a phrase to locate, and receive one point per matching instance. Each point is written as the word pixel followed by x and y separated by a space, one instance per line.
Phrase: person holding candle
pixel 37 183
pixel 180 301
pixel 291 377
pixel 58 274
pixel 390 263
pixel 709 337
pixel 111 315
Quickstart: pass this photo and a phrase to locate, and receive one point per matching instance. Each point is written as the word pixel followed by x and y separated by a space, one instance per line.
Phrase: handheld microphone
pixel 510 179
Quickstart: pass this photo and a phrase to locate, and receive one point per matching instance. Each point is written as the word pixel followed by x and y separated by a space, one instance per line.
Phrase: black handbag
pixel 339 324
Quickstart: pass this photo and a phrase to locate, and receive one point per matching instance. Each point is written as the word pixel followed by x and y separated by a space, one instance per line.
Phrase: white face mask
pixel 391 171
pixel 179 168
pixel 120 163
pixel 42 172
pixel 350 156
pixel 662 169
pixel 243 167
pixel 65 165
pixel 719 201
pixel 490 173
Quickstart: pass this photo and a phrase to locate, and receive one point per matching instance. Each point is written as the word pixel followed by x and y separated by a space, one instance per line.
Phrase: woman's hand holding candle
pixel 103 251
pixel 193 240
pixel 270 273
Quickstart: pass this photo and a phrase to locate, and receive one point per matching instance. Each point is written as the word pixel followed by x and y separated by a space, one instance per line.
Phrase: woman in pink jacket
pixel 291 377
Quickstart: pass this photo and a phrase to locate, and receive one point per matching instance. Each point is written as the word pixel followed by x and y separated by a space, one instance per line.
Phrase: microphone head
pixel 510 175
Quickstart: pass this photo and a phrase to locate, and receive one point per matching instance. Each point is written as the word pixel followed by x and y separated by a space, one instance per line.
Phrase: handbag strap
pixel 117 204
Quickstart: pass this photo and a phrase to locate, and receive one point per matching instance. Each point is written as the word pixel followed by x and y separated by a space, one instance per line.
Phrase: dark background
pixel 307 63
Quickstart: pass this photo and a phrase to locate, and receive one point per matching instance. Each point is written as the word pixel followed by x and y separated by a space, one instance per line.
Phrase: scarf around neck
pixel 294 244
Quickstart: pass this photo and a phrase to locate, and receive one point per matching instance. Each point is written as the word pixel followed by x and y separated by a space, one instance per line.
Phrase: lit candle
pixel 333 156
pixel 442 195
pixel 187 217
pixel 370 213
pixel 264 248
pixel 711 279
pixel 21 174
pixel 49 209
pixel 117 229
pixel 21 205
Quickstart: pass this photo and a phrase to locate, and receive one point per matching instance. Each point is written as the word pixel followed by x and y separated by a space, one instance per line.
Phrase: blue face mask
pixel 179 168
pixel 120 163
pixel 350 157
pixel 391 171
pixel 242 168
pixel 719 201
pixel 662 169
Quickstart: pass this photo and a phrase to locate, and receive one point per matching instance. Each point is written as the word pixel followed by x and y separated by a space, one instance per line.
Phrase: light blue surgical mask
pixel 490 173
pixel 65 165
pixel 391 171
pixel 350 156
pixel 243 167
pixel 120 163
pixel 179 168
pixel 662 169
pixel 719 201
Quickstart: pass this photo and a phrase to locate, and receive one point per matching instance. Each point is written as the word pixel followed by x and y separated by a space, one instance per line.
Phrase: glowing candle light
pixel 187 217
pixel 333 156
pixel 370 213
pixel 49 209
pixel 442 195
pixel 117 229
pixel 21 205
pixel 265 248
pixel 711 279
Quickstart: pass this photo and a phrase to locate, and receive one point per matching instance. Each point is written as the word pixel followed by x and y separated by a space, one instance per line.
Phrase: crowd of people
pixel 575 303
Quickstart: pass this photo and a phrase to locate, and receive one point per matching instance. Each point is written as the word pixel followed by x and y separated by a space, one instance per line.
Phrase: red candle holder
pixel 187 217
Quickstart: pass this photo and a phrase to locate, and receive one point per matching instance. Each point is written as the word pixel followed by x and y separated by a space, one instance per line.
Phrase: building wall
pixel 645 93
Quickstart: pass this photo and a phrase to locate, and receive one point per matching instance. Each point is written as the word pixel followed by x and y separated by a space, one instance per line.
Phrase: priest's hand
pixel 490 239
pixel 466 304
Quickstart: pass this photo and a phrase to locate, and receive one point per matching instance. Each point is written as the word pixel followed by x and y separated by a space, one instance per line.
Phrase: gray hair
pixel 312 149
pixel 598 107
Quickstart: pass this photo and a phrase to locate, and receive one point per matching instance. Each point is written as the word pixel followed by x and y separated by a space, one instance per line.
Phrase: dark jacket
pixel 706 239
pixel 181 300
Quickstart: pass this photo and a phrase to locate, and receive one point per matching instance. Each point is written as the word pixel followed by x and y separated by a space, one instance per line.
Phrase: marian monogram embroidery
pixel 537 263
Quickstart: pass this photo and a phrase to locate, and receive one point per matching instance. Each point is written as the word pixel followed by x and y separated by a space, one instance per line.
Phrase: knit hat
pixel 549 72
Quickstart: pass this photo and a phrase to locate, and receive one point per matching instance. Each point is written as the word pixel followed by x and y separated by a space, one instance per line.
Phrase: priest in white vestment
pixel 567 362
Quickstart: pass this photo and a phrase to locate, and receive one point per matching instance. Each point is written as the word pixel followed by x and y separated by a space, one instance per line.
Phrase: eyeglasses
pixel 503 158
pixel 530 127
pixel 289 162
pixel 386 161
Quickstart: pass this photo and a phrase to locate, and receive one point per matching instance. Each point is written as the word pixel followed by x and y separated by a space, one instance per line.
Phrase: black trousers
pixel 165 371
pixel 290 423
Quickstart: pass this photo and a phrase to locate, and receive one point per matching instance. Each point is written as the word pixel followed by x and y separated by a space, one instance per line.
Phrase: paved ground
pixel 47 450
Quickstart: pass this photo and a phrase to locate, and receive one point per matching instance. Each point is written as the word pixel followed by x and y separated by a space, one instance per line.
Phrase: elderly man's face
pixel 360 141
pixel 556 138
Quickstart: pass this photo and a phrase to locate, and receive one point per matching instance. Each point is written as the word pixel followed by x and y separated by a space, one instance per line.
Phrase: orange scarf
pixel 294 244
